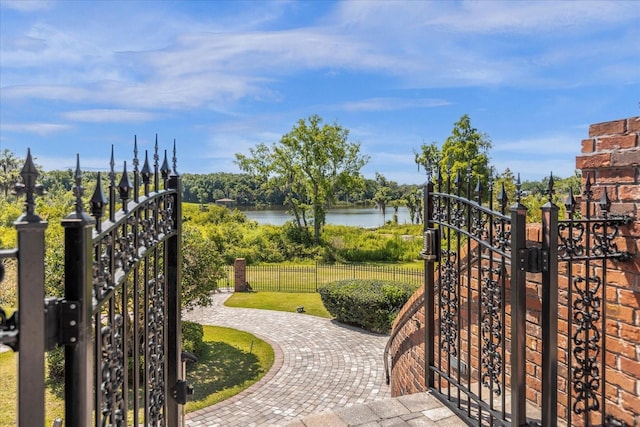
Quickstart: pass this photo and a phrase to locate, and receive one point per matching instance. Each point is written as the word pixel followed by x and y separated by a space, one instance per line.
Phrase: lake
pixel 360 217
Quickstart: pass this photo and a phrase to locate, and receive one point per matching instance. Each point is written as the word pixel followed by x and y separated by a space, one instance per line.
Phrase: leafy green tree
pixel 413 200
pixel 505 180
pixel 465 147
pixel 310 164
pixel 382 195
pixel 202 268
pixel 9 171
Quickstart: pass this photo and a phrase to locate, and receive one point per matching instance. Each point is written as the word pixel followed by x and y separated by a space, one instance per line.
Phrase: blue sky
pixel 221 77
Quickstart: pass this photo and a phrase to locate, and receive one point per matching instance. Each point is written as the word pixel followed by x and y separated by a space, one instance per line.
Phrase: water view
pixel 360 217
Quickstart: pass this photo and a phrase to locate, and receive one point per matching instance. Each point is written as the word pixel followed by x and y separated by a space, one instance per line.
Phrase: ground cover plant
pixel 370 304
pixel 280 301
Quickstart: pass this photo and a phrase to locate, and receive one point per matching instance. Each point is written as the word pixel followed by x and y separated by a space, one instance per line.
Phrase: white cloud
pixel 109 116
pixel 200 62
pixel 36 128
pixel 536 157
pixel 532 16
pixel 557 144
pixel 390 104
pixel 27 5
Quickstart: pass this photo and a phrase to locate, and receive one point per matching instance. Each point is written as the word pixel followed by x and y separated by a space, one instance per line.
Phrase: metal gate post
pixel 550 315
pixel 430 254
pixel 174 278
pixel 31 254
pixel 518 313
pixel 78 276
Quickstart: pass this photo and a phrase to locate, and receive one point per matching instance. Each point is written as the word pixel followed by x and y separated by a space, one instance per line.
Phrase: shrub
pixel 370 304
pixel 192 335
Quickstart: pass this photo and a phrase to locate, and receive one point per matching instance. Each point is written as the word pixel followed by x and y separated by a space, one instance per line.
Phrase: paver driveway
pixel 320 365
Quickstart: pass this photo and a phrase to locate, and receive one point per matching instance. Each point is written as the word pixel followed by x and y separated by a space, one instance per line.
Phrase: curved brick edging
pixel 278 359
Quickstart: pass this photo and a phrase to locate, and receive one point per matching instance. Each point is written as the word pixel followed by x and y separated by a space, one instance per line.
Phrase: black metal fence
pixel 307 278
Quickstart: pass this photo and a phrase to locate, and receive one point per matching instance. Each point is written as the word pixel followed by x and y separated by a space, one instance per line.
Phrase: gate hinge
pixel 180 391
pixel 533 260
pixel 62 318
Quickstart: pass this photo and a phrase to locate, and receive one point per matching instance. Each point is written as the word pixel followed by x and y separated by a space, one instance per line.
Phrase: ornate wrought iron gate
pixel 476 264
pixel 119 319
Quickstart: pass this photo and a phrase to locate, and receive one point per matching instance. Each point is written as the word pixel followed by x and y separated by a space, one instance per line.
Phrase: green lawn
pixel 280 301
pixel 233 360
pixel 8 393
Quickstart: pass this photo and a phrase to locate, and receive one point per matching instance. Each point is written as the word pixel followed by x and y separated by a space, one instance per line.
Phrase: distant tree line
pixel 246 190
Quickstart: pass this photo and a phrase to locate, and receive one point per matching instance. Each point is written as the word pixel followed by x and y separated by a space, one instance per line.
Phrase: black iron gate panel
pixel 119 319
pixel 476 261
pixel 586 244
pixel 474 301
pixel 130 299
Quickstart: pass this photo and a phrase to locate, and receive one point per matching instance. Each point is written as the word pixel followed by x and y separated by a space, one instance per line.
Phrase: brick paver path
pixel 320 365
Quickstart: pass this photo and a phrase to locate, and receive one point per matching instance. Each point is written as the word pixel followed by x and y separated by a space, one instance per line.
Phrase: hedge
pixel 370 304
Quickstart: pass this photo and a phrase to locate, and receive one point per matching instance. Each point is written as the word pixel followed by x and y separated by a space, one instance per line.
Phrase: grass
pixel 233 360
pixel 54 406
pixel 280 301
pixel 295 278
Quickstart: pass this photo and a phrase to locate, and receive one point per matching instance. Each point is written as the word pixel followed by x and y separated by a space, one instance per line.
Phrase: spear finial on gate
pixel 29 174
pixel 164 169
pixel 112 170
pixel 112 187
pixel 503 198
pixel 78 189
pixel 479 189
pixel 98 200
pixel 146 173
pixel 570 203
pixel 136 176
pixel 135 153
pixel 124 187
pixel 550 190
pixel 457 181
pixel 156 160
pixel 174 159
pixel 588 194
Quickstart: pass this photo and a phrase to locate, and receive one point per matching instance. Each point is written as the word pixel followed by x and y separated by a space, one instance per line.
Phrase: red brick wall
pixel 617 145
pixel 611 157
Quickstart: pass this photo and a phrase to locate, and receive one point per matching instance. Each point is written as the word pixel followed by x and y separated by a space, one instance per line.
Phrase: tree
pixel 465 148
pixel 203 267
pixel 413 200
pixel 382 195
pixel 310 164
pixel 9 171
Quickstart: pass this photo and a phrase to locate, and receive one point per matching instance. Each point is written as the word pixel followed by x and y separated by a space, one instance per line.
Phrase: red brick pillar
pixel 240 274
pixel 611 157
